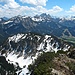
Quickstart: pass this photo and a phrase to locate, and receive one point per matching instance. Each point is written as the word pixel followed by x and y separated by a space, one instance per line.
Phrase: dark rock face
pixel 43 24
pixel 72 53
pixel 6 68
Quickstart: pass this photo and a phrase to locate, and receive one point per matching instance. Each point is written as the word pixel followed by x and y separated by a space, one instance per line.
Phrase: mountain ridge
pixel 41 24
pixel 24 49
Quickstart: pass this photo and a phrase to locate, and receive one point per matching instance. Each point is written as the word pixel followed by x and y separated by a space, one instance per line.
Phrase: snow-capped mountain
pixel 23 39
pixel 23 49
pixel 43 24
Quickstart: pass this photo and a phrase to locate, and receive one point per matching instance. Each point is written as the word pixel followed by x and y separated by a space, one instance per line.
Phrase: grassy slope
pixel 69 39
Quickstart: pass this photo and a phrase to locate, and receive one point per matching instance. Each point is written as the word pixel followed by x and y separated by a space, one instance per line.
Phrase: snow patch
pixel 8 22
pixel 25 17
pixel 0 19
pixel 16 38
pixel 37 19
pixel 22 61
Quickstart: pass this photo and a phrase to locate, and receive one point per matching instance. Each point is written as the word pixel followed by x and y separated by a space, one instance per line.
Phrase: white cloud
pixel 71 11
pixel 55 10
pixel 10 3
pixel 2 0
pixel 12 8
pixel 35 2
pixel 72 8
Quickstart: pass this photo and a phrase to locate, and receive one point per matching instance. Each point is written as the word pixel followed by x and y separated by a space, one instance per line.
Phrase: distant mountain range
pixel 42 24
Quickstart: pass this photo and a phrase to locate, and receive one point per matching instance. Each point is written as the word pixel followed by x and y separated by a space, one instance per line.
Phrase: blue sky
pixel 10 8
pixel 65 4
